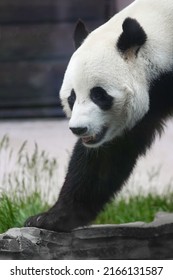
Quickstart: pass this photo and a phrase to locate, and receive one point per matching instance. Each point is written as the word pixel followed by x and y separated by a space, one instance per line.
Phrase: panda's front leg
pixel 93 176
pixel 74 207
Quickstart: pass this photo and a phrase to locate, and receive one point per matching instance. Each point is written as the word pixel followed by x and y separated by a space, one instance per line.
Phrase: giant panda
pixel 117 91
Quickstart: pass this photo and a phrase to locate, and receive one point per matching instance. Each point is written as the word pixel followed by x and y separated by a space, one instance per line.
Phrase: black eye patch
pixel 101 98
pixel 71 99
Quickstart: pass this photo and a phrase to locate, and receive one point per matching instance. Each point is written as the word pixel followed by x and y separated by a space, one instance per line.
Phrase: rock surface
pixel 126 241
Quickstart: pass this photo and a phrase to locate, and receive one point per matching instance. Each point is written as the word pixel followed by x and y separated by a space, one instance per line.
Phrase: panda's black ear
pixel 80 33
pixel 132 37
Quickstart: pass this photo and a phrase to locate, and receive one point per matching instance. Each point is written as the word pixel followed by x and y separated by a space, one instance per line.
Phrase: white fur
pixel 98 63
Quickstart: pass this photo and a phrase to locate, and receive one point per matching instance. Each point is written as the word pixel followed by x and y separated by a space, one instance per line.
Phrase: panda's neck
pixel 160 108
pixel 161 96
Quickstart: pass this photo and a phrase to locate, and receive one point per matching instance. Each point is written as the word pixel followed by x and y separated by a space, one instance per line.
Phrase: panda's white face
pixel 104 93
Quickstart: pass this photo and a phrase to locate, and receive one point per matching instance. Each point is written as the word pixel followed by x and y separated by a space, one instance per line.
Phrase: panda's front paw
pixel 35 221
pixel 49 221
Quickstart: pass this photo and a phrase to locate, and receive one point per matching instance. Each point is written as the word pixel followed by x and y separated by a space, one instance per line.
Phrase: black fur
pixel 80 34
pixel 101 98
pixel 133 35
pixel 71 99
pixel 95 175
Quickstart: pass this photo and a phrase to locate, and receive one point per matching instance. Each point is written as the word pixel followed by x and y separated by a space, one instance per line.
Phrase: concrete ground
pixel 54 137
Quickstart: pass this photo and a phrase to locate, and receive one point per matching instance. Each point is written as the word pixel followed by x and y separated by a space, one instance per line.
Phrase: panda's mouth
pixel 94 139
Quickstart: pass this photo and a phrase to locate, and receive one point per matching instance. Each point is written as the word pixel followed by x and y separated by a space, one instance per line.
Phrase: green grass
pixel 22 176
pixel 15 210
pixel 137 208
pixel 26 181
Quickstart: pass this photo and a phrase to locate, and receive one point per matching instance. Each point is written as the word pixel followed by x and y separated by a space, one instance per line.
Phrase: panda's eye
pixel 71 99
pixel 101 98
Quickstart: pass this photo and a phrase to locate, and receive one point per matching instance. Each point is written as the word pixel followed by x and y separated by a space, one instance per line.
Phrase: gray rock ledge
pixel 126 241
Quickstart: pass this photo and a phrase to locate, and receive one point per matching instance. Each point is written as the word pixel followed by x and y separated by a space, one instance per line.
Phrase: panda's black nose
pixel 79 130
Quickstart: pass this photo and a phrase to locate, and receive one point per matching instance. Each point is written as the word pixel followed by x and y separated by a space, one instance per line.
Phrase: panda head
pixel 105 89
